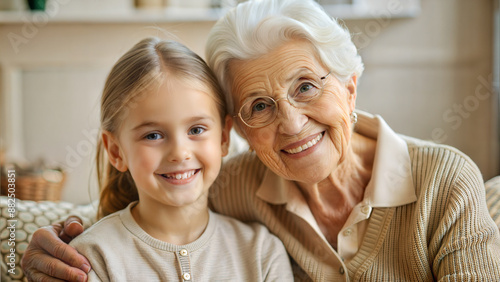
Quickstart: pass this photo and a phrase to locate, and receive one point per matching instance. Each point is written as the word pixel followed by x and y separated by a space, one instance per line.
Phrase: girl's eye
pixel 153 136
pixel 196 130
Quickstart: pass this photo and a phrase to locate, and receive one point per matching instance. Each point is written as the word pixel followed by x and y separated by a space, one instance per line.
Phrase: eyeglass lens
pixel 261 110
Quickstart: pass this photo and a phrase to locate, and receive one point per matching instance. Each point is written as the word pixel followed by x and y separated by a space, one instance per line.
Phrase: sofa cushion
pixel 28 217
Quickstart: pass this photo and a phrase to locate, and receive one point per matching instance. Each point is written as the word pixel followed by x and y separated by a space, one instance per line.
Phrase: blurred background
pixel 431 70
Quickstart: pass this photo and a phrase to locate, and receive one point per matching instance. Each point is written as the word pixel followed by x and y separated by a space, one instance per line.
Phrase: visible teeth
pixel 305 146
pixel 179 176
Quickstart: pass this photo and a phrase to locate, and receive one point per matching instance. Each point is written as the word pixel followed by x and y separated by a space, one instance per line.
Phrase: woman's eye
pixel 259 107
pixel 306 92
pixel 305 87
pixel 196 131
pixel 153 136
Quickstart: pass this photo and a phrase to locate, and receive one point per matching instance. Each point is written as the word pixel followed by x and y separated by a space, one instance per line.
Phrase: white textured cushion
pixel 29 216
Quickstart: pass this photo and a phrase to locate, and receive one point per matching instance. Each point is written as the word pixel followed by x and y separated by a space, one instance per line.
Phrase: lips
pixel 295 149
pixel 180 175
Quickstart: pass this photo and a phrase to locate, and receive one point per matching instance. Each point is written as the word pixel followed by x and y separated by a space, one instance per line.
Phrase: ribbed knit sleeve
pixel 234 191
pixel 493 198
pixel 447 235
pixel 464 242
pixel 234 194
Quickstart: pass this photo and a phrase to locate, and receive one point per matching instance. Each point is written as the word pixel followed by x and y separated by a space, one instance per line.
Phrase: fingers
pixel 54 270
pixel 40 277
pixel 55 247
pixel 72 228
pixel 47 255
pixel 58 227
pixel 73 218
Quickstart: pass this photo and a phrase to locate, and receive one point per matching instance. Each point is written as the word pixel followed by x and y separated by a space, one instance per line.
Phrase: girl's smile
pixel 180 177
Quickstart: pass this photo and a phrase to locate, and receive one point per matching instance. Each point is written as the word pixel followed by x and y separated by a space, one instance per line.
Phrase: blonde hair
pixel 254 28
pixel 139 70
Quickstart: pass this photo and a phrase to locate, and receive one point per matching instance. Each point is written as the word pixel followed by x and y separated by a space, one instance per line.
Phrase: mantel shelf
pixel 171 14
pixel 131 16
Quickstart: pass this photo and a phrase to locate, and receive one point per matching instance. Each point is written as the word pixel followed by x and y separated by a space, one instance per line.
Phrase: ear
pixel 226 131
pixel 351 86
pixel 115 155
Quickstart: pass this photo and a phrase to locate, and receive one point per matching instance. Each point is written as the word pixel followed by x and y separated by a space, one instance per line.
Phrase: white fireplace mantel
pixel 81 12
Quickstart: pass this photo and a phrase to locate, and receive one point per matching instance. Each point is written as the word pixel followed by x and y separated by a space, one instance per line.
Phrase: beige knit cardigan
pixel 446 235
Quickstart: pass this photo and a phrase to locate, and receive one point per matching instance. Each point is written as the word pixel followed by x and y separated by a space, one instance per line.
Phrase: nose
pixel 290 119
pixel 178 152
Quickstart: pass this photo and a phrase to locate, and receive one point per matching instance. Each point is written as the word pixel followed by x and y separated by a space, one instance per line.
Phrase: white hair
pixel 256 27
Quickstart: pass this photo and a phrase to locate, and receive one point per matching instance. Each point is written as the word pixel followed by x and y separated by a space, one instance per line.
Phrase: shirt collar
pixel 391 183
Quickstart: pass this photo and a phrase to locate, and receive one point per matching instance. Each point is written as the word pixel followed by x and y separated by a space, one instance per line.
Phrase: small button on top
pixel 347 232
pixel 365 209
pixel 186 276
pixel 183 252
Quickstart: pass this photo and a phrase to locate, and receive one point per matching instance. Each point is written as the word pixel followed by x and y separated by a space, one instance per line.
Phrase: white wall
pixel 430 77
pixel 419 73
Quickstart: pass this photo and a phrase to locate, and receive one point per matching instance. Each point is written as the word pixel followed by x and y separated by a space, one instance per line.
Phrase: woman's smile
pixel 303 145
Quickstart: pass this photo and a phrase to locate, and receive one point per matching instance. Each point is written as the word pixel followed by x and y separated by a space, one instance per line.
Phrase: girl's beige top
pixel 228 250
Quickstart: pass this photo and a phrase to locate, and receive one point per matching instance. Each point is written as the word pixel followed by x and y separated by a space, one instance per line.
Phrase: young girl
pixel 165 129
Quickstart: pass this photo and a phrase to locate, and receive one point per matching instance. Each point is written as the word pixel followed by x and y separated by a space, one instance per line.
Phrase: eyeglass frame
pixel 277 105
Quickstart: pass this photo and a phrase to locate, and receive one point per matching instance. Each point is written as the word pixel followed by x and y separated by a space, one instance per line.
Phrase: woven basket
pixel 35 187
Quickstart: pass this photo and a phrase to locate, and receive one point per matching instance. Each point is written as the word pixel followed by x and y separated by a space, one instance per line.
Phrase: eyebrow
pixel 299 72
pixel 189 120
pixel 145 124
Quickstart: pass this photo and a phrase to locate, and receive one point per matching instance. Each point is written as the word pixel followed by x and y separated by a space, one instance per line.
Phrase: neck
pixel 332 200
pixel 175 225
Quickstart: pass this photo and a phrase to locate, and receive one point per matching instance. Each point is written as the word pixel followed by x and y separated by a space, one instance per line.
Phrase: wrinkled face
pixel 304 144
pixel 172 142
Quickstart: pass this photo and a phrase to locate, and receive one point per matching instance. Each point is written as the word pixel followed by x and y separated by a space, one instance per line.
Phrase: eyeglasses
pixel 260 111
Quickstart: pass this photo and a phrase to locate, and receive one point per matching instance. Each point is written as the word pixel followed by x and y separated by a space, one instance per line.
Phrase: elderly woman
pixel 349 198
